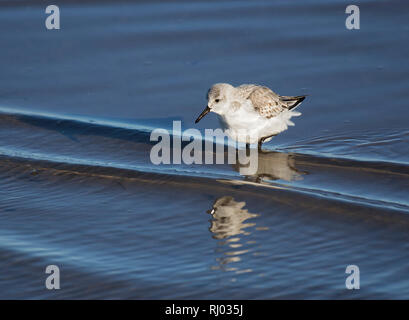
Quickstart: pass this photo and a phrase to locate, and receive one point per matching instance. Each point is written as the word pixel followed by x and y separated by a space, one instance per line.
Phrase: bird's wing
pixel 266 102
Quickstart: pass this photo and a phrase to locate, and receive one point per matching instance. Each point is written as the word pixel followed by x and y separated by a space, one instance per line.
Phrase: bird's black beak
pixel 205 112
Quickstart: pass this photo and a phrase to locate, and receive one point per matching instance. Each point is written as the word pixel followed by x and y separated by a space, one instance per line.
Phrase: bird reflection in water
pixel 231 223
pixel 274 165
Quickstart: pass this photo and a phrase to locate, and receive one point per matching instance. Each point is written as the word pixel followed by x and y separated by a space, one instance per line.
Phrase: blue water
pixel 78 188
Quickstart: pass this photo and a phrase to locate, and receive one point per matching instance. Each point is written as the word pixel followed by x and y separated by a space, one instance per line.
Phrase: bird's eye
pixel 217 100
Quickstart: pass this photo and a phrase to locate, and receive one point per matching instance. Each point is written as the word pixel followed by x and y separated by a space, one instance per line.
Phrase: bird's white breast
pixel 246 125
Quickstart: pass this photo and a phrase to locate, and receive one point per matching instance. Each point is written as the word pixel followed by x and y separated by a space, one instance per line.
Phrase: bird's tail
pixel 292 102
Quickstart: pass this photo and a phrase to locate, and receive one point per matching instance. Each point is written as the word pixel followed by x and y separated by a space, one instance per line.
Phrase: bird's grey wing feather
pixel 266 102
pixel 246 89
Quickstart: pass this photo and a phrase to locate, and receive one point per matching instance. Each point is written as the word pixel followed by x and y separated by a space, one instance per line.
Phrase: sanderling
pixel 251 113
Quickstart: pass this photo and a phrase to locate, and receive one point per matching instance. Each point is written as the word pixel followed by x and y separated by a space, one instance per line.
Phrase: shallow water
pixel 78 189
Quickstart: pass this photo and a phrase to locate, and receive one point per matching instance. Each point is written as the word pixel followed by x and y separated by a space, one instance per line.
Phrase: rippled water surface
pixel 78 188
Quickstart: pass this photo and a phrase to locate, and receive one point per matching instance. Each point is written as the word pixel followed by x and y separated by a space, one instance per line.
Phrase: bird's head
pixel 217 99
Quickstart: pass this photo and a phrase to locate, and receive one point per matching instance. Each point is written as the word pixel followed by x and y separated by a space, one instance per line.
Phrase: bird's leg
pixel 260 142
pixel 247 149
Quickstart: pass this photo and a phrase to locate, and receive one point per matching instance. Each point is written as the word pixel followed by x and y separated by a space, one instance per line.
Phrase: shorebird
pixel 251 113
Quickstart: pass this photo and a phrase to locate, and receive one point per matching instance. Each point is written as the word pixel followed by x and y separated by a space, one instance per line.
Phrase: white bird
pixel 251 113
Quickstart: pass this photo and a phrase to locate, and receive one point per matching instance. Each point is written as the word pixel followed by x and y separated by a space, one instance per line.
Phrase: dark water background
pixel 78 189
